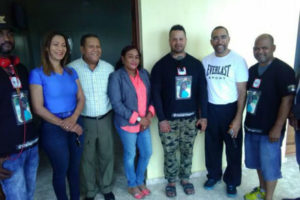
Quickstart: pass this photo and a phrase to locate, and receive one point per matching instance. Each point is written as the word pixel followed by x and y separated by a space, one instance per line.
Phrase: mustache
pixel 2 48
pixel 7 42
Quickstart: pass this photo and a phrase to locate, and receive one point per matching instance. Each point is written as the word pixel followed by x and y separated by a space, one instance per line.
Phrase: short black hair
pixel 220 27
pixel 177 27
pixel 127 48
pixel 84 37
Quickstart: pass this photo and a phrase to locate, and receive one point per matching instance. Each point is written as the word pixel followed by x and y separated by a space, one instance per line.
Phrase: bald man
pixel 270 90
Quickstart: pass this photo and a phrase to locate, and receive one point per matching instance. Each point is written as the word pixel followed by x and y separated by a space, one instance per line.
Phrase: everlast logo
pixel 218 70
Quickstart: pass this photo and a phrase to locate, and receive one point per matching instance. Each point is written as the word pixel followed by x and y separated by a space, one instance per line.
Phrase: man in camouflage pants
pixel 180 99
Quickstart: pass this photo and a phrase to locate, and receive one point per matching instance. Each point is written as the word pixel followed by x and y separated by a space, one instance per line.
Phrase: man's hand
pixel 203 123
pixel 235 126
pixel 275 133
pixel 77 129
pixel 164 126
pixel 293 121
pixel 4 173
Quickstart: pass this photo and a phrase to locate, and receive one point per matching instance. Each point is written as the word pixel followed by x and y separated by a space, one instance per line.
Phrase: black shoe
pixel 109 196
pixel 231 191
pixel 89 198
pixel 210 184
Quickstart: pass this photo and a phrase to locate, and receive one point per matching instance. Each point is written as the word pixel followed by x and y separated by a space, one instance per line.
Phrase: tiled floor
pixel 288 186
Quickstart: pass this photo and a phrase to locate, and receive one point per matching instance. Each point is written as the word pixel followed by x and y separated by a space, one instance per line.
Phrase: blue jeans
pixel 263 155
pixel 21 185
pixel 64 155
pixel 142 140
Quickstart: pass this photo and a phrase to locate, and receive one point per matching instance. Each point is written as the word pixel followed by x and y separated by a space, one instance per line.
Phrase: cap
pixel 4 22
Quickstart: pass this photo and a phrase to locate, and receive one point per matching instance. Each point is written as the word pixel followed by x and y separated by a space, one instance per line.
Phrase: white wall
pixel 245 20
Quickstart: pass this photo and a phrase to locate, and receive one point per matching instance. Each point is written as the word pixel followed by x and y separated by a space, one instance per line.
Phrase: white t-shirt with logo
pixel 222 74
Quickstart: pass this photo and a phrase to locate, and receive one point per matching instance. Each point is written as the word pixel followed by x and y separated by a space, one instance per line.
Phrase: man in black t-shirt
pixel 270 91
pixel 18 141
pixel 179 93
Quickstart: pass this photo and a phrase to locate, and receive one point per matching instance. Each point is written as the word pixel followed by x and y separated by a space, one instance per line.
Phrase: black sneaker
pixel 210 184
pixel 109 196
pixel 231 191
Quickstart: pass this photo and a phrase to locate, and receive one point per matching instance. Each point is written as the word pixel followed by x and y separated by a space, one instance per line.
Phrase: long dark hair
pixel 47 66
pixel 127 48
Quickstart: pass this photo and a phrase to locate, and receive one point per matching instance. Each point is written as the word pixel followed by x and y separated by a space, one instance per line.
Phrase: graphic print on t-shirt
pixel 253 97
pixel 20 103
pixel 183 87
pixel 217 72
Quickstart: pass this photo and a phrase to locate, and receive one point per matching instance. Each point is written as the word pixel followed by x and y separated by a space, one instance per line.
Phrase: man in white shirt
pixel 226 74
pixel 98 154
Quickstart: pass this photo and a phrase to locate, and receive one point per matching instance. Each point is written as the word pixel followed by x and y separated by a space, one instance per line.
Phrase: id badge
pixel 15 82
pixel 253 97
pixel 256 83
pixel 20 103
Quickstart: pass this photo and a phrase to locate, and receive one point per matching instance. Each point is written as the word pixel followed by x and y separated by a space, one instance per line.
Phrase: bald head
pixel 265 36
pixel 263 49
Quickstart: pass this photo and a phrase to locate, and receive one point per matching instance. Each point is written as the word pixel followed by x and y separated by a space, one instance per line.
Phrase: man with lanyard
pixel 97 164
pixel 226 75
pixel 180 99
pixel 18 150
pixel 270 90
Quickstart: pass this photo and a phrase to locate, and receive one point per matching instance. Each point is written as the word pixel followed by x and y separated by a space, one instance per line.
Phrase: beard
pixel 220 49
pixel 177 50
pixel 6 48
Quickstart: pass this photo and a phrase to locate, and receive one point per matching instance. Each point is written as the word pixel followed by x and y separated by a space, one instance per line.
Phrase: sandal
pixel 144 190
pixel 188 188
pixel 171 191
pixel 136 194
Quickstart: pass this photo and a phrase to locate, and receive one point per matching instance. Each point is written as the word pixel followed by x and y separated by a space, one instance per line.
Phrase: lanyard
pixel 14 78
pixel 16 84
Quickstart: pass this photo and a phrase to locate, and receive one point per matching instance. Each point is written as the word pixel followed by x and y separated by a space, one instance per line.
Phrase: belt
pixel 97 117
pixel 64 115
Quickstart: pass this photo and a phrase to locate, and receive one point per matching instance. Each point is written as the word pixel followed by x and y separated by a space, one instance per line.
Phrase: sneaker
pixel 256 194
pixel 231 191
pixel 210 184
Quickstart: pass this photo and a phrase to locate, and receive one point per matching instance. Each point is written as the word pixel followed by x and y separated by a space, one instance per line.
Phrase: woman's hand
pixel 149 116
pixel 69 123
pixel 145 122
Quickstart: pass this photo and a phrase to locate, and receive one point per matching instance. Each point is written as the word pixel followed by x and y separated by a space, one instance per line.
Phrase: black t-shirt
pixel 12 134
pixel 264 94
pixel 179 88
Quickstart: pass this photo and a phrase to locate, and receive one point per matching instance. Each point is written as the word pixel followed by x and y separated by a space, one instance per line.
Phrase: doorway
pixel 290 141
pixel 114 21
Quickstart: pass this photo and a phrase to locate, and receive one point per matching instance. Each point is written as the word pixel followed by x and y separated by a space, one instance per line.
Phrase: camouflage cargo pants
pixel 182 137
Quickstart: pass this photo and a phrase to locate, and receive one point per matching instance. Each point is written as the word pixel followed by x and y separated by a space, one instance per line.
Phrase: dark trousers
pixel 219 119
pixel 64 155
pixel 1 193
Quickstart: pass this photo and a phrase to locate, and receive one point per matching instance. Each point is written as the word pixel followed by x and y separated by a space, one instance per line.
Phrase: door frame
pixel 135 23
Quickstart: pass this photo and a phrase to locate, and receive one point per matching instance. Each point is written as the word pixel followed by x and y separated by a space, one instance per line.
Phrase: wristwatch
pixel 138 119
